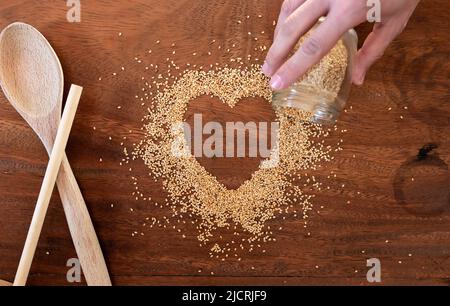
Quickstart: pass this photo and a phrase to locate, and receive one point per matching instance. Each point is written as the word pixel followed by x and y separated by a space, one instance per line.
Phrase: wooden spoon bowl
pixel 32 79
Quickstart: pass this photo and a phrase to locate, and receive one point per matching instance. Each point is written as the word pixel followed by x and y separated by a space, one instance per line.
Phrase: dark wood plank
pixel 402 222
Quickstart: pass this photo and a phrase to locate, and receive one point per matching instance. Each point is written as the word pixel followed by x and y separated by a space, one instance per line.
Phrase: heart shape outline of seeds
pixel 274 189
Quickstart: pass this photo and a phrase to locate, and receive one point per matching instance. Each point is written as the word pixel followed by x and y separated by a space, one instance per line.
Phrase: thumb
pixel 372 50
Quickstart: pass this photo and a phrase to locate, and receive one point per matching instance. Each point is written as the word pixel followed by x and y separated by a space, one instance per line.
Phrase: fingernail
pixel 360 79
pixel 265 69
pixel 276 83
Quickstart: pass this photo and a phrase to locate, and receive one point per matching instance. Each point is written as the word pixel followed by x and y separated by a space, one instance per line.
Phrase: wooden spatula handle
pixel 48 185
pixel 81 228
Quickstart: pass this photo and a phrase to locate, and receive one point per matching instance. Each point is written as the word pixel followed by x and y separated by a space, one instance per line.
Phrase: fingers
pixel 373 49
pixel 294 26
pixel 321 41
pixel 288 7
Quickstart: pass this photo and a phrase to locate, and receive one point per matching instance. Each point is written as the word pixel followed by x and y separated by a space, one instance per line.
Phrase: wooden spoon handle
pixel 48 184
pixel 4 283
pixel 81 228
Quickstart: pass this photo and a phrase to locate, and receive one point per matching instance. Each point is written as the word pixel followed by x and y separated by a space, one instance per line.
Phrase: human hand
pixel 297 17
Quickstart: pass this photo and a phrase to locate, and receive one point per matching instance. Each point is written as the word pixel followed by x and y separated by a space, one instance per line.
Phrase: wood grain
pixel 402 222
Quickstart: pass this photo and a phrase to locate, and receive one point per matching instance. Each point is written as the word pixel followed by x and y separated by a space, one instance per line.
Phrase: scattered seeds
pixel 195 192
pixel 194 196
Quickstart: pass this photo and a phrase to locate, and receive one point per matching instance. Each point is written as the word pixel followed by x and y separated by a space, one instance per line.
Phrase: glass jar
pixel 323 105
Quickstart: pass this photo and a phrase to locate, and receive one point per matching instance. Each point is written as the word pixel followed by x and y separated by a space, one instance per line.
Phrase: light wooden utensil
pixel 4 283
pixel 62 136
pixel 32 79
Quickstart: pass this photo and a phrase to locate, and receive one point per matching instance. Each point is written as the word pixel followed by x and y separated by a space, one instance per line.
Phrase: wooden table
pixel 380 213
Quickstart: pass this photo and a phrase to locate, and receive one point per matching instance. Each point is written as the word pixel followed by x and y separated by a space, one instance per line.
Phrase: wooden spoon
pixel 32 79
pixel 5 283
